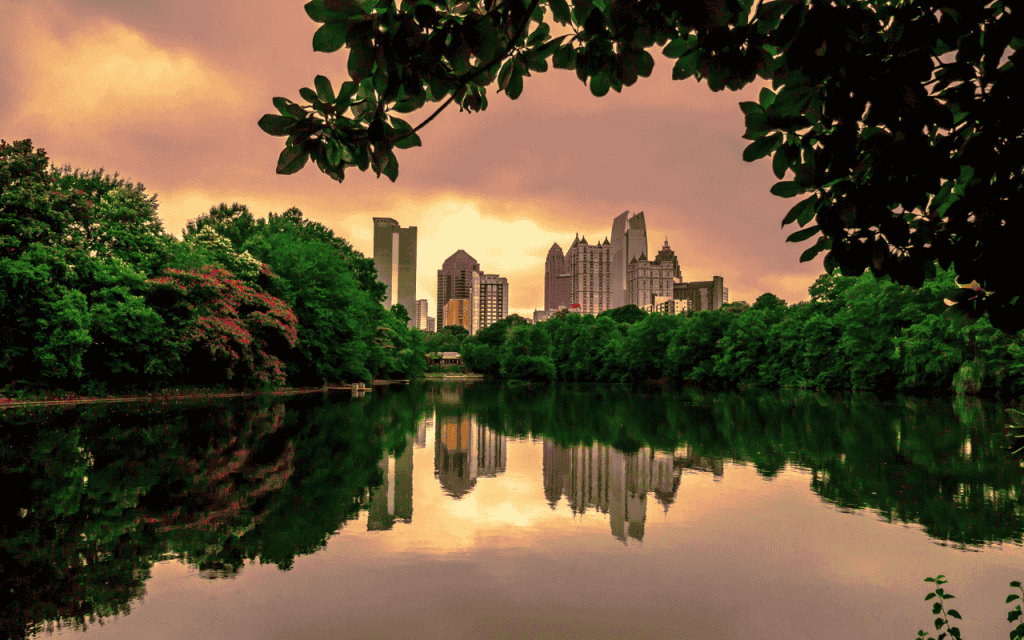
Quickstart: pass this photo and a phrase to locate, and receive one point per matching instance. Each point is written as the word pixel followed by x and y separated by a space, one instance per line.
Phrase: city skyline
pixel 169 97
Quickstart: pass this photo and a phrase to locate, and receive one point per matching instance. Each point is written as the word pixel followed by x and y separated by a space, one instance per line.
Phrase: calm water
pixel 470 511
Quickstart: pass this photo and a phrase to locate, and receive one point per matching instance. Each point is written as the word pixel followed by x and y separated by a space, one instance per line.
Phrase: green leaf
pixel 679 46
pixel 539 35
pixel 1015 583
pixel 761 147
pixel 390 168
pixel 1013 615
pixel 560 11
pixel 686 66
pixel 599 84
pixel 929 579
pixel 291 160
pixel 278 126
pixel 766 97
pixel 360 62
pixel 324 90
pixel 953 613
pixel 817 248
pixel 929 596
pixel 795 213
pixel 802 235
pixel 330 37
pixel 408 141
pixel 780 163
pixel 936 607
pixel 515 82
pixel 505 74
pixel 938 622
pixel 750 107
pixel 786 189
pixel 307 94
pixel 564 58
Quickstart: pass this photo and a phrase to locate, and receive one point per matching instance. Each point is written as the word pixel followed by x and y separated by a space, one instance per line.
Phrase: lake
pixel 469 510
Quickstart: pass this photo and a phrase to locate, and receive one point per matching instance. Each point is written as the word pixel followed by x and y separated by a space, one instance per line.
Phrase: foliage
pixel 628 314
pixel 449 338
pixel 96 298
pixel 931 83
pixel 943 615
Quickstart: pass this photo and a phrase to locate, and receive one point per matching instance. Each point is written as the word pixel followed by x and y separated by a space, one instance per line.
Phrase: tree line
pixel 863 333
pixel 96 297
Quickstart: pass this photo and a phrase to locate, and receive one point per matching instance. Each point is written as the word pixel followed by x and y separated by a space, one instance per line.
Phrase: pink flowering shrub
pixel 228 331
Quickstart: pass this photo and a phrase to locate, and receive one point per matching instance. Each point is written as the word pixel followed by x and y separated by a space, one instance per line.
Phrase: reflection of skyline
pixel 465 450
pixel 392 500
pixel 603 478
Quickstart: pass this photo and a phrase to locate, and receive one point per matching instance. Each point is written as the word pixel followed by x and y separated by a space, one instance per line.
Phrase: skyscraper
pixel 458 279
pixel 588 268
pixel 394 255
pixel 629 240
pixel 485 295
pixel 557 283
pixel 420 316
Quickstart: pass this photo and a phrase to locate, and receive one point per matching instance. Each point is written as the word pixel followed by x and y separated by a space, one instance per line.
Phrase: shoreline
pixel 6 403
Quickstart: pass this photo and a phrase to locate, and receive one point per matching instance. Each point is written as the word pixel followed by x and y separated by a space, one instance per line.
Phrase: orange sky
pixel 169 93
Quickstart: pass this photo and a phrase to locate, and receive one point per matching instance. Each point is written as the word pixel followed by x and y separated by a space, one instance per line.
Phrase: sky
pixel 169 93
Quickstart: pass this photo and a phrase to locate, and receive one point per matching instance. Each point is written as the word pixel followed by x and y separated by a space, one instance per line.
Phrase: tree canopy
pixel 892 121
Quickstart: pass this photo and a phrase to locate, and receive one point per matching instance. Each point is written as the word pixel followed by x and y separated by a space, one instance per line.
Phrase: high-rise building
pixel 430 325
pixel 420 317
pixel 557 282
pixel 458 311
pixel 458 278
pixel 394 255
pixel 588 267
pixel 485 295
pixel 493 300
pixel 629 240
pixel 646 280
pixel 702 296
pixel 667 255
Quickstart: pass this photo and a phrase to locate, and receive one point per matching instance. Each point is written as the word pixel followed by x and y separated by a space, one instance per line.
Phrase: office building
pixel 557 282
pixel 459 311
pixel 667 306
pixel 629 240
pixel 646 280
pixel 485 296
pixel 708 295
pixel 588 267
pixel 420 315
pixel 430 325
pixel 394 256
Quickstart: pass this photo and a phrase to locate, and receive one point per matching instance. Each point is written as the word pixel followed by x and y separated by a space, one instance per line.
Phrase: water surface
pixel 468 510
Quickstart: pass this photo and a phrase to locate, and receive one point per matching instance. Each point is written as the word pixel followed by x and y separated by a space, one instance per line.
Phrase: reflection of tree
pixel 101 493
pixel 911 460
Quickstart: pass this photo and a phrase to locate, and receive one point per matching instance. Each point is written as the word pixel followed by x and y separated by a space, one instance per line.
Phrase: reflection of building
pixel 464 451
pixel 425 424
pixel 392 500
pixel 603 478
pixel 394 256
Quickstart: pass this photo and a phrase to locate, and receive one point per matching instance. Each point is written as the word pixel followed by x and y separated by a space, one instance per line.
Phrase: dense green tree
pixel 645 345
pixel 691 352
pixel 449 338
pixel 933 80
pixel 629 314
pixel 526 355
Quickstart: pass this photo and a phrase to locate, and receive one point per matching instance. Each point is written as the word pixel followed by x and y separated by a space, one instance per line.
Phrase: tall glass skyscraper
pixel 394 255
pixel 629 240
